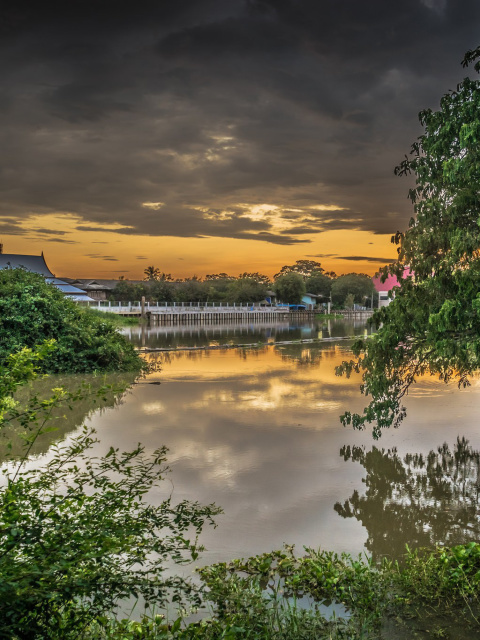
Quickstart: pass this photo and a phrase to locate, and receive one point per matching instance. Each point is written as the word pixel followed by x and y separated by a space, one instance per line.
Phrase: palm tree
pixel 152 273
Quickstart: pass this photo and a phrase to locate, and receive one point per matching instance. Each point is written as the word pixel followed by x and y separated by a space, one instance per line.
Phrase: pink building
pixel 385 293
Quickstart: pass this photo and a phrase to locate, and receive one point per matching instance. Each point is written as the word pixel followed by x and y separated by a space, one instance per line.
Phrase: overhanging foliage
pixel 433 325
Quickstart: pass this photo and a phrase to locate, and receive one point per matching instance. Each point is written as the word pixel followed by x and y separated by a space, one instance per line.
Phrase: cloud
pixel 144 121
pixel 99 257
pixel 367 259
pixel 62 240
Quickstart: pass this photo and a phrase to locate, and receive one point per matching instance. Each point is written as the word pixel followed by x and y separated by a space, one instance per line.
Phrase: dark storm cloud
pixel 366 259
pixel 177 119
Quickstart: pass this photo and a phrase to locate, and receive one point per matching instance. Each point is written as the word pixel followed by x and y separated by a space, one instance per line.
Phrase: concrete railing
pixel 179 307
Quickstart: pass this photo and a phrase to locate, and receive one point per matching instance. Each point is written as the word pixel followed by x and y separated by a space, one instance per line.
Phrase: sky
pixel 206 136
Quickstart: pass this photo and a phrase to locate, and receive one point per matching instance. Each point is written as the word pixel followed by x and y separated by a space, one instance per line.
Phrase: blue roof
pixel 36 264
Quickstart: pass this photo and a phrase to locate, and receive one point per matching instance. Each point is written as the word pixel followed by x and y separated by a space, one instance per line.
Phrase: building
pixel 94 288
pixel 37 264
pixel 384 289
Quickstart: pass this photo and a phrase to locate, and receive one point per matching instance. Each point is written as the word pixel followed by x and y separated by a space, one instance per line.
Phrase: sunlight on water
pixel 258 432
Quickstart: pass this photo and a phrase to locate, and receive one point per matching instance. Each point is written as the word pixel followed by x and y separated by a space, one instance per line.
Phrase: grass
pixel 115 318
pixel 328 316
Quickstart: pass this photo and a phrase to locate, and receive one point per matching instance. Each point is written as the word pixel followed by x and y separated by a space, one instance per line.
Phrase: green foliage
pixel 192 290
pixel 349 301
pixel 290 288
pixel 77 536
pixel 245 290
pixel 359 285
pixel 259 598
pixel 433 325
pixel 114 318
pixel 153 274
pixel 305 268
pixel 161 291
pixel 258 277
pixel 126 291
pixel 319 283
pixel 32 312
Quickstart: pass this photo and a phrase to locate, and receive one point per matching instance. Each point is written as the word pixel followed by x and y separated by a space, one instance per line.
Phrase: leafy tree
pixel 125 291
pixel 357 284
pixel 32 312
pixel 161 291
pixel 217 288
pixel 290 288
pixel 349 301
pixel 192 290
pixel 433 325
pixel 258 277
pixel 246 290
pixel 304 267
pixel 319 283
pixel 219 276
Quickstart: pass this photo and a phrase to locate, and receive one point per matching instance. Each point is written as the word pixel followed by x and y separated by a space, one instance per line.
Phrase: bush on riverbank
pixel 277 596
pixel 114 318
pixel 32 311
pixel 77 534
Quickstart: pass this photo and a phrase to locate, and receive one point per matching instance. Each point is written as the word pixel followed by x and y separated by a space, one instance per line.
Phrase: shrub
pixel 33 311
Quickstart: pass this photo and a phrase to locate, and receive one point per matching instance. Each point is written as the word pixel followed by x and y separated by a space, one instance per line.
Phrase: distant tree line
pixel 290 284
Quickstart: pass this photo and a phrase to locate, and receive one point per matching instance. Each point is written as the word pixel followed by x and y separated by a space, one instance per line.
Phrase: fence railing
pixel 179 307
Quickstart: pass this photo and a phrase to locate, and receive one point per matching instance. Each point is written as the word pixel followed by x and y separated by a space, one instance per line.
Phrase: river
pixel 257 432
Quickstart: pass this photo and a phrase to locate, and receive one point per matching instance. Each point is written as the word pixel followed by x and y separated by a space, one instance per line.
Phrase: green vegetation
pixel 215 288
pixel 114 318
pixel 278 596
pixel 32 312
pixel 433 325
pixel 290 288
pixel 356 285
pixel 306 268
pixel 319 283
pixel 77 535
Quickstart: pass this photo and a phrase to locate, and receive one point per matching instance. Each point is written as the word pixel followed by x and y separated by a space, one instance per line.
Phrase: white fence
pixel 182 307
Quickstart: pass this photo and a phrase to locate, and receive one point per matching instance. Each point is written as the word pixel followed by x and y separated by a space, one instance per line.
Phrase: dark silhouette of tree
pixel 304 267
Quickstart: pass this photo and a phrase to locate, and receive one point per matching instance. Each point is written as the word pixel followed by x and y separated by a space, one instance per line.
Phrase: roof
pixel 102 282
pixel 68 289
pixel 36 264
pixel 390 282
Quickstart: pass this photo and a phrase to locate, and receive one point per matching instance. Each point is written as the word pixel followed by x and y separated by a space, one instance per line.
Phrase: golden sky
pixel 105 253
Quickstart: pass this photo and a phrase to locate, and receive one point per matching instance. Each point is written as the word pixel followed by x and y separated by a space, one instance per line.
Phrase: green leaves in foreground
pixel 278 596
pixel 433 325
pixel 77 536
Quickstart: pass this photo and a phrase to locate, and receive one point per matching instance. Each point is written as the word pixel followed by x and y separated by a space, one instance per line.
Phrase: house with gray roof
pixel 37 264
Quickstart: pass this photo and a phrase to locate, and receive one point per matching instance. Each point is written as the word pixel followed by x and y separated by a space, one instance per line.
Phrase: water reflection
pixel 257 432
pixel 198 335
pixel 67 416
pixel 419 500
